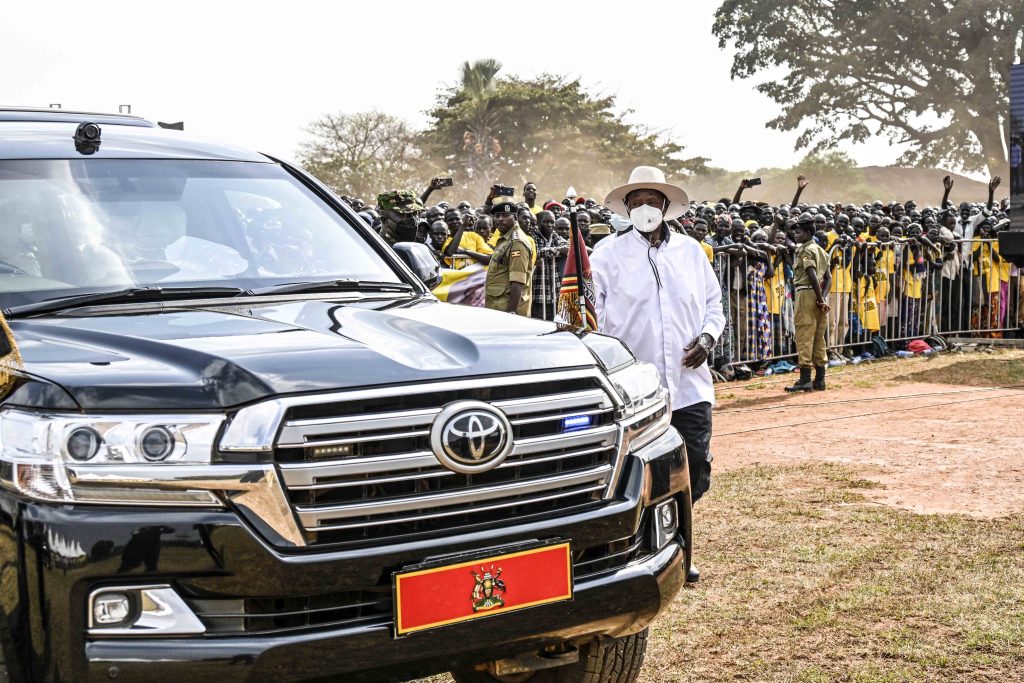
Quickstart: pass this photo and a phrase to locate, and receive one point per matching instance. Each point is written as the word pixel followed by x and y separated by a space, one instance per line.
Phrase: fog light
pixel 667 516
pixel 666 521
pixel 141 610
pixel 111 609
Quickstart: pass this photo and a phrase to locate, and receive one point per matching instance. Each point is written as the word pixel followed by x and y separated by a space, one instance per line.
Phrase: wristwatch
pixel 707 342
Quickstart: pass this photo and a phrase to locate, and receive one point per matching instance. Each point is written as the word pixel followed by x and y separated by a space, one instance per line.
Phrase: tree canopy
pixel 930 73
pixel 548 130
pixel 361 154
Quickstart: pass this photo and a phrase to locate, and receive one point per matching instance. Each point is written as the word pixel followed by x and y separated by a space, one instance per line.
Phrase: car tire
pixel 613 660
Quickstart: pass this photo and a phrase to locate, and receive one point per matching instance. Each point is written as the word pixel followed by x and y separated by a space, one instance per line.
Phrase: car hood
pixel 207 359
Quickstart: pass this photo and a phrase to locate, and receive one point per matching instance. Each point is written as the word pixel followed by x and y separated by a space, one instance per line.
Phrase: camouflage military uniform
pixel 407 205
pixel 511 262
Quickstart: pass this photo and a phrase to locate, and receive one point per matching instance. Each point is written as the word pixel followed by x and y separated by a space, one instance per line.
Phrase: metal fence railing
pixel 896 291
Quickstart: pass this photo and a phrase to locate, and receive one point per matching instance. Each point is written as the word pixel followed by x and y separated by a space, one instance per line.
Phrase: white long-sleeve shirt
pixel 965 230
pixel 658 322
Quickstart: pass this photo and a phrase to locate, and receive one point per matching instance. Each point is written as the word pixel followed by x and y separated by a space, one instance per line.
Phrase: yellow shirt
pixel 471 241
pixel 885 265
pixel 775 290
pixel 911 285
pixel 1005 270
pixel 709 252
pixel 842 277
pixel 988 264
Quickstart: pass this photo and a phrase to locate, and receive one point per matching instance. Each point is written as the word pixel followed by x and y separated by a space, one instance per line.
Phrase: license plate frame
pixel 447 578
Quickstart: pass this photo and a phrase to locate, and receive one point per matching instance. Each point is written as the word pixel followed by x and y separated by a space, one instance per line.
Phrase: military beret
pixel 402 201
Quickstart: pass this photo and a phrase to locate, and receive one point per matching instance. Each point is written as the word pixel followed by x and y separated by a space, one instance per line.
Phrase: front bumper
pixel 65 552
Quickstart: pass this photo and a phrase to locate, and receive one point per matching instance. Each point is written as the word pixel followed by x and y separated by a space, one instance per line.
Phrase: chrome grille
pixel 271 616
pixel 361 470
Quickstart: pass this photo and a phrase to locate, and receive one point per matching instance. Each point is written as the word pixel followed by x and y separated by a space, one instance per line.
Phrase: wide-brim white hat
pixel 649 178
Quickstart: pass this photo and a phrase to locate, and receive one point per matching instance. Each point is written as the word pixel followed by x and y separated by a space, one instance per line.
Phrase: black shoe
pixel 693 575
pixel 819 378
pixel 804 383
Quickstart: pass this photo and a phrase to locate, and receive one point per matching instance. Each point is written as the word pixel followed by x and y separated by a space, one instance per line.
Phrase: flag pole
pixel 581 296
pixel 543 289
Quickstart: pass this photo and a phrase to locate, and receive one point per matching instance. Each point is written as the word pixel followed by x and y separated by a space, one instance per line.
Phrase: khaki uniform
pixel 811 323
pixel 512 261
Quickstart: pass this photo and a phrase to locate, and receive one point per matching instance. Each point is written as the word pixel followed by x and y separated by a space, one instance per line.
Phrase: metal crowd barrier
pixel 897 292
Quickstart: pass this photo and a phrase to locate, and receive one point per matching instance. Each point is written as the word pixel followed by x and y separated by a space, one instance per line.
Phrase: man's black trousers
pixel 694 425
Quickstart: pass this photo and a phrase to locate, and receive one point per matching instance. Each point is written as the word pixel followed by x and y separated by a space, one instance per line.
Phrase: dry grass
pixel 992 368
pixel 1005 369
pixel 805 581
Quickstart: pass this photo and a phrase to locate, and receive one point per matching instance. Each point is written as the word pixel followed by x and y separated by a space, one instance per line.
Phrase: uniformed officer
pixel 400 217
pixel 811 309
pixel 510 274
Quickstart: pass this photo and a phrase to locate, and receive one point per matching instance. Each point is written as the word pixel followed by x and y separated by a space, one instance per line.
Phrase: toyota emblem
pixel 471 437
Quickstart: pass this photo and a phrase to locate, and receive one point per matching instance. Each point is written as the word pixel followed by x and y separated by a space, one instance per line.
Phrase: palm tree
pixel 480 146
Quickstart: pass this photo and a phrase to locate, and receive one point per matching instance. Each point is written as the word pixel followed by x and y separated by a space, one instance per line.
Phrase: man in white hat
pixel 657 292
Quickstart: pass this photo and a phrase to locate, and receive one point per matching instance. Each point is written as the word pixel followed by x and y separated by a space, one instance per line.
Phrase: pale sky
pixel 255 73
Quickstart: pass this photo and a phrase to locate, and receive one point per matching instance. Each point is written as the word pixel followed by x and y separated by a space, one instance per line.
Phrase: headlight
pixel 44 455
pixel 639 387
pixel 646 413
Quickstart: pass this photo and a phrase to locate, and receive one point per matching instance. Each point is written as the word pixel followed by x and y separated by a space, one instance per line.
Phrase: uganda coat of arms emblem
pixel 485 592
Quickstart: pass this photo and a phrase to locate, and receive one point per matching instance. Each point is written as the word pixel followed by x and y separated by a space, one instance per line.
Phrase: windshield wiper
pixel 333 286
pixel 120 296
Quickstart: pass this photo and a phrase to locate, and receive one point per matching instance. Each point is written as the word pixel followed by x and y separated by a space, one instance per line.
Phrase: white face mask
pixel 646 218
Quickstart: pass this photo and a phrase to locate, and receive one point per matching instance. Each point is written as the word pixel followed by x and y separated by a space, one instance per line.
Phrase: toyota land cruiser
pixel 241 441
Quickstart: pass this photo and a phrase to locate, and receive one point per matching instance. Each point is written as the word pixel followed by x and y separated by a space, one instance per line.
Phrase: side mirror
pixel 420 261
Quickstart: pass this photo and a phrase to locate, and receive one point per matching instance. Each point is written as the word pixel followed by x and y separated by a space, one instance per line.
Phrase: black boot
pixel 819 378
pixel 804 383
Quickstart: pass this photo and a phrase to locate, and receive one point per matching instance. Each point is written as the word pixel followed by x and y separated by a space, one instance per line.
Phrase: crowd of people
pixel 898 272
pixel 711 290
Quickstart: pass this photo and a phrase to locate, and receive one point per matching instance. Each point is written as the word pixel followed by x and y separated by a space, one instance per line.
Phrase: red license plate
pixel 494 584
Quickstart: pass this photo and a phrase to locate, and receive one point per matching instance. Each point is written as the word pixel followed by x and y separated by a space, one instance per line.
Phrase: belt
pixel 803 287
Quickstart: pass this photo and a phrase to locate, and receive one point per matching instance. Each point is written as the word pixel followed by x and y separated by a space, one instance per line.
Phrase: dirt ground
pixel 873 533
pixel 937 434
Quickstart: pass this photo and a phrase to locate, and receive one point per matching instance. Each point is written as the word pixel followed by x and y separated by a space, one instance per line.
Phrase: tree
pixel 551 131
pixel 481 149
pixel 929 73
pixel 361 154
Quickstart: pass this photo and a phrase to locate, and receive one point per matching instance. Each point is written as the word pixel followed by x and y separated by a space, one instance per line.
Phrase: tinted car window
pixel 81 225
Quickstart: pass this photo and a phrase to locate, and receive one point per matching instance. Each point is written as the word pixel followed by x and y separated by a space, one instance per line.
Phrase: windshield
pixel 76 226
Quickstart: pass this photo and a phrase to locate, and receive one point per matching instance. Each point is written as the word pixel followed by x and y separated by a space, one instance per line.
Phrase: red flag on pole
pixel 576 297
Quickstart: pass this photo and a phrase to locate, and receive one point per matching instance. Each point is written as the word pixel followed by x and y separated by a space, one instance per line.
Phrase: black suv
pixel 241 441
